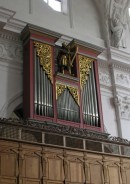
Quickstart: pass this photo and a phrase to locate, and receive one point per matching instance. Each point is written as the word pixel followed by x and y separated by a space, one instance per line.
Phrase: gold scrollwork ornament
pixel 44 52
pixel 73 91
pixel 59 89
pixel 85 66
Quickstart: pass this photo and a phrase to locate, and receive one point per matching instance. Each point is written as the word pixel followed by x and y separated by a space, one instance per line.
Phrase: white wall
pixel 114 76
pixel 10 74
pixel 86 19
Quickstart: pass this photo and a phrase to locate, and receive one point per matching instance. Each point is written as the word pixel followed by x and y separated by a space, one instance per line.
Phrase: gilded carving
pixel 73 90
pixel 59 89
pixel 44 52
pixel 66 58
pixel 84 67
pixel 74 93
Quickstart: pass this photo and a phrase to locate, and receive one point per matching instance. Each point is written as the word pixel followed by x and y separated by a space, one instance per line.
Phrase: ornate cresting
pixel 44 52
pixel 73 90
pixel 84 67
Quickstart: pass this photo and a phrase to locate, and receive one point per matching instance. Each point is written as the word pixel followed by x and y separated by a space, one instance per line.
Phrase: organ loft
pixel 61 82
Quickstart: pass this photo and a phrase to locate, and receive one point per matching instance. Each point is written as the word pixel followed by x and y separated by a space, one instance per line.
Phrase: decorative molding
pixel 124 106
pixel 64 130
pixel 56 128
pixel 11 51
pixel 104 78
pixel 115 57
pixel 122 79
pixel 10 36
pixel 10 23
pixel 120 58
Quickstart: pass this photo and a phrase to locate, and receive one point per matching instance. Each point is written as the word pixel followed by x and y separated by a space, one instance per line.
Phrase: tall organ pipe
pixel 35 65
pixel 92 99
pixel 67 107
pixel 43 90
pixel 89 102
pixel 89 97
pixel 95 98
pixel 38 87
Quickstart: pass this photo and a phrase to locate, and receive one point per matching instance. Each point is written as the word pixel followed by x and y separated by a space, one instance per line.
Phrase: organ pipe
pixel 43 91
pixel 68 109
pixel 89 99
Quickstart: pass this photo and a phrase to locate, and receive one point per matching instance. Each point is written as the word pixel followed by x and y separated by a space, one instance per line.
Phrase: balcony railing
pixel 47 133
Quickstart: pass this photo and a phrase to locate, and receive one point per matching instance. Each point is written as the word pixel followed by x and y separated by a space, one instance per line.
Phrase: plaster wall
pixel 125 129
pixel 83 20
pixel 10 75
pixel 109 115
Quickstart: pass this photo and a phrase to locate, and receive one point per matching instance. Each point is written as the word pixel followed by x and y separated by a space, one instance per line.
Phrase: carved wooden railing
pixel 47 133
pixel 33 152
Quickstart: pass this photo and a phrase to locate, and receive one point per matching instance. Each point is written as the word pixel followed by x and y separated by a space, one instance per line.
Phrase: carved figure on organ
pixel 66 57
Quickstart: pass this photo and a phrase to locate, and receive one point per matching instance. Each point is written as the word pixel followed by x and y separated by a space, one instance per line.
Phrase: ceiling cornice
pixel 8 22
pixel 115 57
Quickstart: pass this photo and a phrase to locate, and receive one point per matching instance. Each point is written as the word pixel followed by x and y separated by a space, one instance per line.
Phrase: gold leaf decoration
pixel 59 89
pixel 74 93
pixel 73 90
pixel 84 67
pixel 44 52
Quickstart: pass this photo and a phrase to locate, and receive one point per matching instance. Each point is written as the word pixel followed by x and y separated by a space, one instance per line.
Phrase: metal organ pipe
pixel 95 98
pixel 89 101
pixel 67 107
pixel 38 87
pixel 89 98
pixel 35 65
pixel 92 100
pixel 43 91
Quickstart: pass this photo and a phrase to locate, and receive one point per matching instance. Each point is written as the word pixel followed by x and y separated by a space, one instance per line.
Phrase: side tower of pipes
pixel 60 83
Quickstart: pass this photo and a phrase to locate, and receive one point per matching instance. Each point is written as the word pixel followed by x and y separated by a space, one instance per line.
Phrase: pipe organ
pixel 60 83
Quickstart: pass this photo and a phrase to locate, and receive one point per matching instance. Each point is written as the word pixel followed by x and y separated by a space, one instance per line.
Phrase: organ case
pixel 61 83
